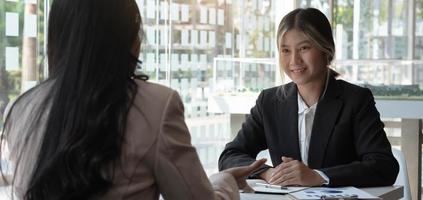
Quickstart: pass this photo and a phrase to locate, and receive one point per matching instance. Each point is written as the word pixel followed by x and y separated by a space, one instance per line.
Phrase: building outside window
pixel 184 37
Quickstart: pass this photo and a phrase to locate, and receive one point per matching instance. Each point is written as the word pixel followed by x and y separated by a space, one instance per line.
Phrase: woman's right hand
pixel 292 172
pixel 267 175
pixel 241 173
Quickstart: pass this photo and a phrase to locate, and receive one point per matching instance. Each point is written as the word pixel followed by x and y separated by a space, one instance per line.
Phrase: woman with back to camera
pixel 318 130
pixel 93 130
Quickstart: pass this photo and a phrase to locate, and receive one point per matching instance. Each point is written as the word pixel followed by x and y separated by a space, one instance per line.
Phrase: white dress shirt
pixel 305 125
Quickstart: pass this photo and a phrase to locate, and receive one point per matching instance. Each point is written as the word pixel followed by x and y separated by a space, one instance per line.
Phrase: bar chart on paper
pixel 333 193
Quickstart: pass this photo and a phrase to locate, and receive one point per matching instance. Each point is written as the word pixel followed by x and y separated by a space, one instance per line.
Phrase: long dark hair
pixel 92 66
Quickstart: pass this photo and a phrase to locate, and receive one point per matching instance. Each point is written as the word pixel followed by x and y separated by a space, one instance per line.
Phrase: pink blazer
pixel 157 155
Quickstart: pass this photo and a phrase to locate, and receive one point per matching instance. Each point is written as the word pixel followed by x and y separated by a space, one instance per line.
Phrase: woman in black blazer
pixel 319 130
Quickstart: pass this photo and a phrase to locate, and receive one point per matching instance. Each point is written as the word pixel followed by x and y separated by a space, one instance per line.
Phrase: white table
pixel 386 193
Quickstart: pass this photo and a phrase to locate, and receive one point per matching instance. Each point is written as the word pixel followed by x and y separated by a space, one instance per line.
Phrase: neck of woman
pixel 312 92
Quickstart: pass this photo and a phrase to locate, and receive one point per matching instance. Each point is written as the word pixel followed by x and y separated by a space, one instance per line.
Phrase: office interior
pixel 219 54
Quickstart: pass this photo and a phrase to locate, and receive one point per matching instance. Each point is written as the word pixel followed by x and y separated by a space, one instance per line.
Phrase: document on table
pixel 260 186
pixel 332 193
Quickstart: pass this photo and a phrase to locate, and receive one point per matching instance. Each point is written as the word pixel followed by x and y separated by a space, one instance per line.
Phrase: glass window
pixel 188 46
pixel 370 29
pixel 419 31
pixel 322 5
pixel 373 42
pixel 22 48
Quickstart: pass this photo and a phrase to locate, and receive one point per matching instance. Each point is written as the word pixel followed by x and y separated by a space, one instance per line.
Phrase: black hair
pixel 92 65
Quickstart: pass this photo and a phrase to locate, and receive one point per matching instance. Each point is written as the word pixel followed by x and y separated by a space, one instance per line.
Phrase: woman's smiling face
pixel 303 62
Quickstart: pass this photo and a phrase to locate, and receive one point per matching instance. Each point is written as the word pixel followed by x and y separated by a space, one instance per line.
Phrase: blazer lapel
pixel 288 129
pixel 324 120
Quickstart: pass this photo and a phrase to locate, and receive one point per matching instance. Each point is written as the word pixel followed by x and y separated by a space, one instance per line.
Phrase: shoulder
pixel 153 90
pixel 22 114
pixel 354 97
pixel 29 100
pixel 145 117
pixel 280 93
pixel 152 100
pixel 154 95
pixel 351 90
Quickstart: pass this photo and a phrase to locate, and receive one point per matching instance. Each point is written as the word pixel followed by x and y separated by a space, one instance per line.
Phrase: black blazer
pixel 347 142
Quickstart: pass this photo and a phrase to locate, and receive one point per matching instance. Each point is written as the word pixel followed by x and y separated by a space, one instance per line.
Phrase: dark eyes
pixel 285 51
pixel 304 48
pixel 301 49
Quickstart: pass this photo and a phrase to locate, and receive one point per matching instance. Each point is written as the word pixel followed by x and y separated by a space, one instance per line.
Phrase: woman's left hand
pixel 293 172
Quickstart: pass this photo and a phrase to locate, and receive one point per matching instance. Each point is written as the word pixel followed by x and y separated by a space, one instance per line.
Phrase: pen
pixel 272 186
pixel 352 197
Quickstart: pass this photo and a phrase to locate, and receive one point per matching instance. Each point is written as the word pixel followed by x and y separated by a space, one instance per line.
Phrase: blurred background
pixel 219 54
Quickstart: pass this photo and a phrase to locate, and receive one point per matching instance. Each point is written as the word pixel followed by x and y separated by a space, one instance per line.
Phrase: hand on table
pixel 292 172
pixel 241 173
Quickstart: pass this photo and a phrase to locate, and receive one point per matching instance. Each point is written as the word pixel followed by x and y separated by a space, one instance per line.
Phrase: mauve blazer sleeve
pixel 178 171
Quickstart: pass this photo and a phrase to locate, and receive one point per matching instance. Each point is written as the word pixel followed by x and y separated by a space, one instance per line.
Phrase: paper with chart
pixel 332 193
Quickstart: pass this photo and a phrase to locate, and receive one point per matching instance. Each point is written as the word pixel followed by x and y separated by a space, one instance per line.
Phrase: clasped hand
pixel 292 173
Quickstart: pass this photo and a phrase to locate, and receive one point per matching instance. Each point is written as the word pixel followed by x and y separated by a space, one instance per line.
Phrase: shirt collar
pixel 302 106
